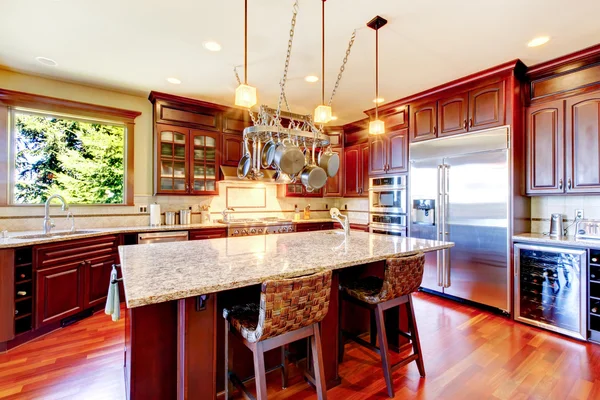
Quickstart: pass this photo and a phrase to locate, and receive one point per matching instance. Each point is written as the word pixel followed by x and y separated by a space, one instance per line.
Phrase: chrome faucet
pixel 48 223
pixel 335 214
pixel 227 214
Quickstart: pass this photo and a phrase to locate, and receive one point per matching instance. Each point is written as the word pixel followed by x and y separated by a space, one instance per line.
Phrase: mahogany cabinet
pixel 187 160
pixel 389 153
pixel 334 187
pixel 297 189
pixel 356 170
pixel 72 276
pixel 204 234
pixel 563 139
pixel 313 226
pixel 232 149
pixel 459 112
pixel 544 126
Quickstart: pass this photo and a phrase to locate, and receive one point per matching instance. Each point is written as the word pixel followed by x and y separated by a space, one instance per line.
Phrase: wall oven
pixel 387 205
pixel 551 288
pixel 388 195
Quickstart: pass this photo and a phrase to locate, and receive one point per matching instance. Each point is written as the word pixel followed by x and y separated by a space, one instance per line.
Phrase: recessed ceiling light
pixel 311 79
pixel 378 100
pixel 538 41
pixel 212 46
pixel 333 118
pixel 174 81
pixel 47 61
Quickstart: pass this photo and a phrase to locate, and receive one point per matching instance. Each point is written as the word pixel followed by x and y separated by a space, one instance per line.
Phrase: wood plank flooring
pixel 469 354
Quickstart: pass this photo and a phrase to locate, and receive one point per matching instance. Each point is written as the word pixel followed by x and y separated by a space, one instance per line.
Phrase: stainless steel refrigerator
pixel 459 191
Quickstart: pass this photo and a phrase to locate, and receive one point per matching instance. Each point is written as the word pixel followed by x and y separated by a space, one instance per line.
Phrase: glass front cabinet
pixel 551 288
pixel 188 161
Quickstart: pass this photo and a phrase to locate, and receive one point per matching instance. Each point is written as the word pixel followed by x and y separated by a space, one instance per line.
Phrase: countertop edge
pixel 556 241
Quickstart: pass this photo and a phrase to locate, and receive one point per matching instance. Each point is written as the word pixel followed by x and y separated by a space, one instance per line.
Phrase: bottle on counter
pixel 296 213
pixel 307 212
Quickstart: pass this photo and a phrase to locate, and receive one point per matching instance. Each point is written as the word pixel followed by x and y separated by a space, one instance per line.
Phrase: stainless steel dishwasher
pixel 162 237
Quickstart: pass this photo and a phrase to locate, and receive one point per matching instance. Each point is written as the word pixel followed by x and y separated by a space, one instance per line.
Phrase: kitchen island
pixel 175 292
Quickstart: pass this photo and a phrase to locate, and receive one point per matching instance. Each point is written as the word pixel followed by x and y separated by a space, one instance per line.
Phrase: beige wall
pixel 143 124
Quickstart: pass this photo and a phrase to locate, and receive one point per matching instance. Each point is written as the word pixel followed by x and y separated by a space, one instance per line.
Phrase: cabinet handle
pixel 465 124
pixel 187 187
pixel 560 184
pixel 569 184
pixel 435 130
pixel 471 122
pixel 82 263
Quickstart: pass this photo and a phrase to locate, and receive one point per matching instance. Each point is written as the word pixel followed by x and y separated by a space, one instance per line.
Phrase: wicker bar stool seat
pixel 403 275
pixel 289 310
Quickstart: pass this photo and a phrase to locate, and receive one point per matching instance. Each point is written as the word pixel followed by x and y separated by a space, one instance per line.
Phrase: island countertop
pixel 156 273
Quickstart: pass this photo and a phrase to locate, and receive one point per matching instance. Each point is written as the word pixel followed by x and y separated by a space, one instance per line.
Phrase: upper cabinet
pixel 187 160
pixel 460 112
pixel 334 187
pixel 389 153
pixel 356 170
pixel 563 151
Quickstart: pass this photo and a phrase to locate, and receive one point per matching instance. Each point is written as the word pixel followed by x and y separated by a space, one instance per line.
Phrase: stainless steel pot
pixel 289 157
pixel 245 162
pixel 312 176
pixel 330 162
pixel 268 153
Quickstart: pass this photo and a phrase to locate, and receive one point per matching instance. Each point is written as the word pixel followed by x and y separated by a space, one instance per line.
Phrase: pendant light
pixel 322 112
pixel 377 126
pixel 245 95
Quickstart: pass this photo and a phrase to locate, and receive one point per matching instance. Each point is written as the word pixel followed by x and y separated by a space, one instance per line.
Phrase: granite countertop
pixel 556 241
pixel 12 242
pixel 155 273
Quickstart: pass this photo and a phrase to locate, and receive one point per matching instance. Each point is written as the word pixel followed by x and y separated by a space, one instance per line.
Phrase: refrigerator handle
pixel 439 225
pixel 446 234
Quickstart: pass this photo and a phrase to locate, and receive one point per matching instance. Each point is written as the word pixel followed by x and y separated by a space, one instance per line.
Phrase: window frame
pixel 43 104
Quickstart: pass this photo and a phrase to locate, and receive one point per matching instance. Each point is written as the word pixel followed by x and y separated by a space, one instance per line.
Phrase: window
pixel 82 160
pixel 79 150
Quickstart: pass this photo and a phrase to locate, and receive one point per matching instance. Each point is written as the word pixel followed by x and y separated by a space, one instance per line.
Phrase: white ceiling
pixel 134 45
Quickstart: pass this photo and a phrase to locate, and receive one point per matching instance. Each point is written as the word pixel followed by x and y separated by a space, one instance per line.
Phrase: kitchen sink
pixel 52 234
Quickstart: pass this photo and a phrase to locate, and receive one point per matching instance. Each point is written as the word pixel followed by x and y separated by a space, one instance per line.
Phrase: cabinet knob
pixel 435 130
pixel 569 184
pixel 471 122
pixel 465 124
pixel 560 184
pixel 82 263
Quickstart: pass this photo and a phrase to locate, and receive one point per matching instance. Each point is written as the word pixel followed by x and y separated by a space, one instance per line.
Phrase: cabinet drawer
pixel 203 234
pixel 314 226
pixel 61 253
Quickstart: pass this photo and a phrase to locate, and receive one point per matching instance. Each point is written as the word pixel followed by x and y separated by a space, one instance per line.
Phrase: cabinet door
pixel 352 174
pixel 204 162
pixel 333 187
pixel 423 121
pixel 172 152
pixel 378 157
pixel 232 149
pixel 453 114
pixel 397 151
pixel 97 279
pixel 583 143
pixel 363 168
pixel 59 293
pixel 486 106
pixel 545 149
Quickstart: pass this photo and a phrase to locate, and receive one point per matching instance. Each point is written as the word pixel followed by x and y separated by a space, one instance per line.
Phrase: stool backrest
pixel 403 275
pixel 290 304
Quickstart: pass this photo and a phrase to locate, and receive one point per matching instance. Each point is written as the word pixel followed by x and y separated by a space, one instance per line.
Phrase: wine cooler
pixel 551 288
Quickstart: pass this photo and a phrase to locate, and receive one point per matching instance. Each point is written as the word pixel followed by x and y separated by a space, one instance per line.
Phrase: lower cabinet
pixel 313 226
pixel 97 278
pixel 59 292
pixel 204 234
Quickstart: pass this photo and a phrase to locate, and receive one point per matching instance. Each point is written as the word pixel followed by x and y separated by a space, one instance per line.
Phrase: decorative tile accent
pixel 246 197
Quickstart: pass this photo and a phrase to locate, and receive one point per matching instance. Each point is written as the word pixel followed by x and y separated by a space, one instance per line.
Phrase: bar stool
pixel 403 275
pixel 289 310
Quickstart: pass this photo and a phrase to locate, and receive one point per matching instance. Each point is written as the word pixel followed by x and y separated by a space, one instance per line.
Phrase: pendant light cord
pixel 376 73
pixel 245 42
pixel 323 52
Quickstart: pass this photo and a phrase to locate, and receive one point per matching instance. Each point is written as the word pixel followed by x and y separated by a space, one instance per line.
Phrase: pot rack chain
pixel 287 59
pixel 343 67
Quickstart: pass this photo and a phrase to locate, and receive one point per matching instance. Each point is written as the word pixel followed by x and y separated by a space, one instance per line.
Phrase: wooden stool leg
pixel 383 347
pixel 284 367
pixel 260 378
pixel 340 331
pixel 414 331
pixel 228 363
pixel 373 329
pixel 315 341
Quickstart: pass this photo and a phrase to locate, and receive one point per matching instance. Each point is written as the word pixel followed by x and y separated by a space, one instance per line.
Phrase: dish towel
pixel 113 303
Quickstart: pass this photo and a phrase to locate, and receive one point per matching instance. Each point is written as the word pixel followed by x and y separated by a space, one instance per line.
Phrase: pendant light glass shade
pixel 322 114
pixel 376 127
pixel 245 96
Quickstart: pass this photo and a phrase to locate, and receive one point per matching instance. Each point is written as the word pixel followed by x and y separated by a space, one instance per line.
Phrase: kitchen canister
pixel 204 214
pixel 170 218
pixel 185 217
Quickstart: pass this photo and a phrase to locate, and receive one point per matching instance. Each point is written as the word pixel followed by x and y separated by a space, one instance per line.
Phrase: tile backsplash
pixel 262 199
pixel 543 206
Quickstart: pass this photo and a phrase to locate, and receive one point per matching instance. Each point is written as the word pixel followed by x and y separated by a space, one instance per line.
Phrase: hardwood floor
pixel 469 354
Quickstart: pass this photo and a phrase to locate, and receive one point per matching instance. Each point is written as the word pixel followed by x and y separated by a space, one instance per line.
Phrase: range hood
pixel 230 175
